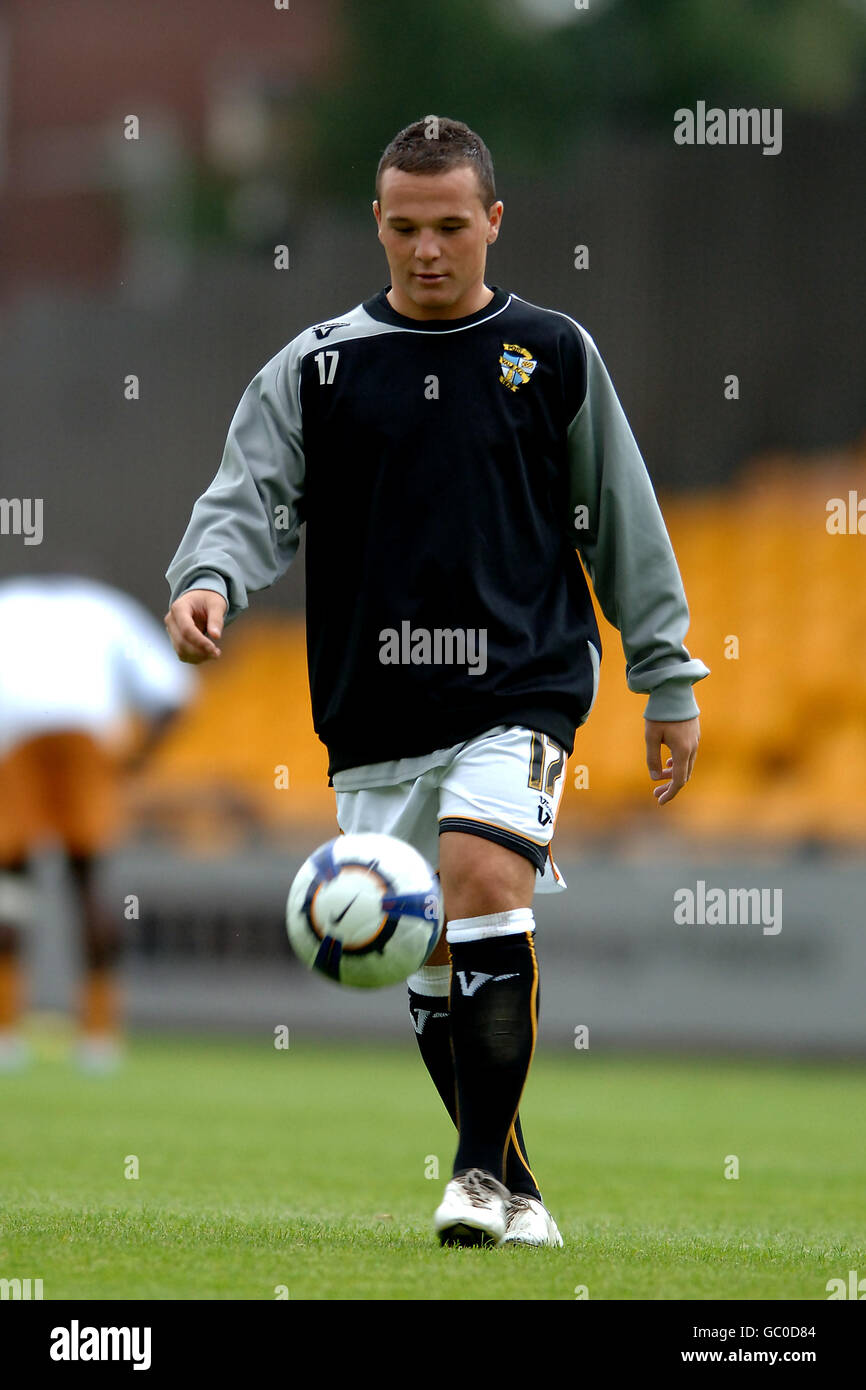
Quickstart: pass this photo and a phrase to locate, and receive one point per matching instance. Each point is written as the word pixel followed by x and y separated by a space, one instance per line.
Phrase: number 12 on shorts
pixel 546 762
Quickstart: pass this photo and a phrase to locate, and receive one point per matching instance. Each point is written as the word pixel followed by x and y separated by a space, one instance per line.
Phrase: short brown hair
pixel 434 144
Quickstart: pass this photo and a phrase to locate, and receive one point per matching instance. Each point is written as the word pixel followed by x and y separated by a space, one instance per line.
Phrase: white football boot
pixel 528 1222
pixel 472 1212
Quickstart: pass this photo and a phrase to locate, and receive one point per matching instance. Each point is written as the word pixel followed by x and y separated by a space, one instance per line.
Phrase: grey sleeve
pixel 244 530
pixel 624 544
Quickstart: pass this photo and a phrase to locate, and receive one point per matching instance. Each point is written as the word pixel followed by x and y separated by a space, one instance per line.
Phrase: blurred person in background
pixel 78 659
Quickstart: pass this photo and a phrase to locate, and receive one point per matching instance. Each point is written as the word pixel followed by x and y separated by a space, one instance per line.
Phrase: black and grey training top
pixel 447 471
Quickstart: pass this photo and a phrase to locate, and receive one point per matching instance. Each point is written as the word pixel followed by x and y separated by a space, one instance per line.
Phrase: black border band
pixel 536 854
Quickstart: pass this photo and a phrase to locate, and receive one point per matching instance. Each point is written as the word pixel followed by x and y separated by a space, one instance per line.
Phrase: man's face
pixel 436 231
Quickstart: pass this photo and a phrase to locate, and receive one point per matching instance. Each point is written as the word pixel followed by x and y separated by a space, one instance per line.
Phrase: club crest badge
pixel 517 366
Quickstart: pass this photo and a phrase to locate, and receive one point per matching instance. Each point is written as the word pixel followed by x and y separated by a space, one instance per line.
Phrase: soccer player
pixel 450 447
pixel 78 657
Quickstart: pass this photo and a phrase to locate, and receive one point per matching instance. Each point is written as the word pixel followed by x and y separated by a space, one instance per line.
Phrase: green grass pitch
pixel 303 1172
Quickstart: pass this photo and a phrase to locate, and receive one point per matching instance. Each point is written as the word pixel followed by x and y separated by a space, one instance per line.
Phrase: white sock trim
pixel 434 980
pixel 513 923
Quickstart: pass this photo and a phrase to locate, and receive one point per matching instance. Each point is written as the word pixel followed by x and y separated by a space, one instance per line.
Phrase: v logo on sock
pixel 420 1016
pixel 479 978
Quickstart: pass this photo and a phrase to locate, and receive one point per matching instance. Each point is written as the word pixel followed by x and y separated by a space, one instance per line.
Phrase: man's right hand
pixel 195 624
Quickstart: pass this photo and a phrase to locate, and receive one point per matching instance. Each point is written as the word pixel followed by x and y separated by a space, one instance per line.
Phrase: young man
pixel 448 446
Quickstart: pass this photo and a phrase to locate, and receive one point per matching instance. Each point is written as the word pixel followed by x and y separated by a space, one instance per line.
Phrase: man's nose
pixel 428 247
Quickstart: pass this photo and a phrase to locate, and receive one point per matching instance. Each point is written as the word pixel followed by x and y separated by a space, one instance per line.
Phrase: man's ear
pixel 377 213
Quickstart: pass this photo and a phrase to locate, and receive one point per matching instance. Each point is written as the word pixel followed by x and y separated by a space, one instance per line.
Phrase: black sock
pixel 432 1023
pixel 518 1174
pixel 431 1018
pixel 494 990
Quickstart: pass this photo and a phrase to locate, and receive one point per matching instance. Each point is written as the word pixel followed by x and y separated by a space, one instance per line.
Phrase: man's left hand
pixel 682 737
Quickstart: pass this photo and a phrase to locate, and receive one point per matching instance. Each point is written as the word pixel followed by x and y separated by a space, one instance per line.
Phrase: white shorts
pixel 505 786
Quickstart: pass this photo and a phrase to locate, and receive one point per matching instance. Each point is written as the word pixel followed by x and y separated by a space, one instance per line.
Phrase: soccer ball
pixel 364 910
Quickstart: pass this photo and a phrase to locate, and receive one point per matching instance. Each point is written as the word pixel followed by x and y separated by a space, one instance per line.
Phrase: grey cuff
pixel 207 579
pixel 673 701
